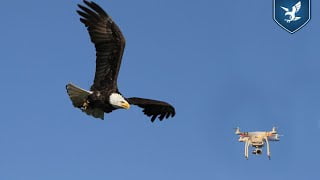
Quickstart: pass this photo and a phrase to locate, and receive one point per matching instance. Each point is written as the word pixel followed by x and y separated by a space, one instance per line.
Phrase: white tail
pixel 79 96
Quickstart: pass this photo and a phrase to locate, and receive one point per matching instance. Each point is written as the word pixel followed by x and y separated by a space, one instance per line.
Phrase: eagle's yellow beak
pixel 125 105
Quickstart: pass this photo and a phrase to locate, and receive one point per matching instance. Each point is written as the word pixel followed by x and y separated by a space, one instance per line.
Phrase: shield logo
pixel 291 15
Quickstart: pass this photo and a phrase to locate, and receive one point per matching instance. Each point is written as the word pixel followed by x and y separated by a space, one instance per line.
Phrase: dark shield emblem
pixel 291 15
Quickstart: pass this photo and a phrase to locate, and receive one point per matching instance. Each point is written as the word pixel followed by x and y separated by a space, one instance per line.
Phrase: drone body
pixel 257 140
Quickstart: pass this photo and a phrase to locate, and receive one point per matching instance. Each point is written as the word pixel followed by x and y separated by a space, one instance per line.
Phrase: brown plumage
pixel 104 95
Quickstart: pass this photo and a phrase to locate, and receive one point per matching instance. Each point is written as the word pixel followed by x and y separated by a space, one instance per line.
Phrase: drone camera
pixel 257 151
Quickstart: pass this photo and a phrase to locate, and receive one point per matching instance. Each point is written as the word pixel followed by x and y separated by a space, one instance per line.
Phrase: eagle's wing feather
pixel 296 7
pixel 285 9
pixel 109 43
pixel 153 108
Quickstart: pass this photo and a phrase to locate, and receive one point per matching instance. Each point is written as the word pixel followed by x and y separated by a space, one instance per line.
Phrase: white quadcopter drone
pixel 257 140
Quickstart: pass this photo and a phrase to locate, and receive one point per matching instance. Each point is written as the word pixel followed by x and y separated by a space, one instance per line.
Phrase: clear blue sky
pixel 222 64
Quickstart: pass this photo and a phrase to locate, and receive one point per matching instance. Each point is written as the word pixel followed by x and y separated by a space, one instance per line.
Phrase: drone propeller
pixel 237 130
pixel 274 129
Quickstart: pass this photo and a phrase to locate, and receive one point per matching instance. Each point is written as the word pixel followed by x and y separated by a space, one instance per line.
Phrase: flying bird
pixel 292 14
pixel 104 96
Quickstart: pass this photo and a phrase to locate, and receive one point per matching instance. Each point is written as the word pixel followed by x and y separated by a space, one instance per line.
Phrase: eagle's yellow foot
pixel 85 105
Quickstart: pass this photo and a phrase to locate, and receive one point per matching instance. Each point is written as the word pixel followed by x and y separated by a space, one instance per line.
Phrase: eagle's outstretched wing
pixel 285 9
pixel 153 108
pixel 109 43
pixel 296 7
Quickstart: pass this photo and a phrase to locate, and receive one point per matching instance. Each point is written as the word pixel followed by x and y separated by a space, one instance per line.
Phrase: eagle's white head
pixel 118 101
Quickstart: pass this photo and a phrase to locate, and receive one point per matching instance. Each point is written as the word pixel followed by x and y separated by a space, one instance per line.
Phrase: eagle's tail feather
pixel 79 97
pixel 95 112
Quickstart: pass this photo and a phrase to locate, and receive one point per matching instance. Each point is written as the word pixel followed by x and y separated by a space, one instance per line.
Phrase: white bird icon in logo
pixel 292 14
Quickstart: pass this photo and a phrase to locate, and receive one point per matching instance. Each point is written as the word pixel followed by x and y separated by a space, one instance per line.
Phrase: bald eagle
pixel 104 96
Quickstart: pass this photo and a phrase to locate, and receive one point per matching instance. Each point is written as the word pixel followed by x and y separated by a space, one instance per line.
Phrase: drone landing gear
pixel 268 148
pixel 246 150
